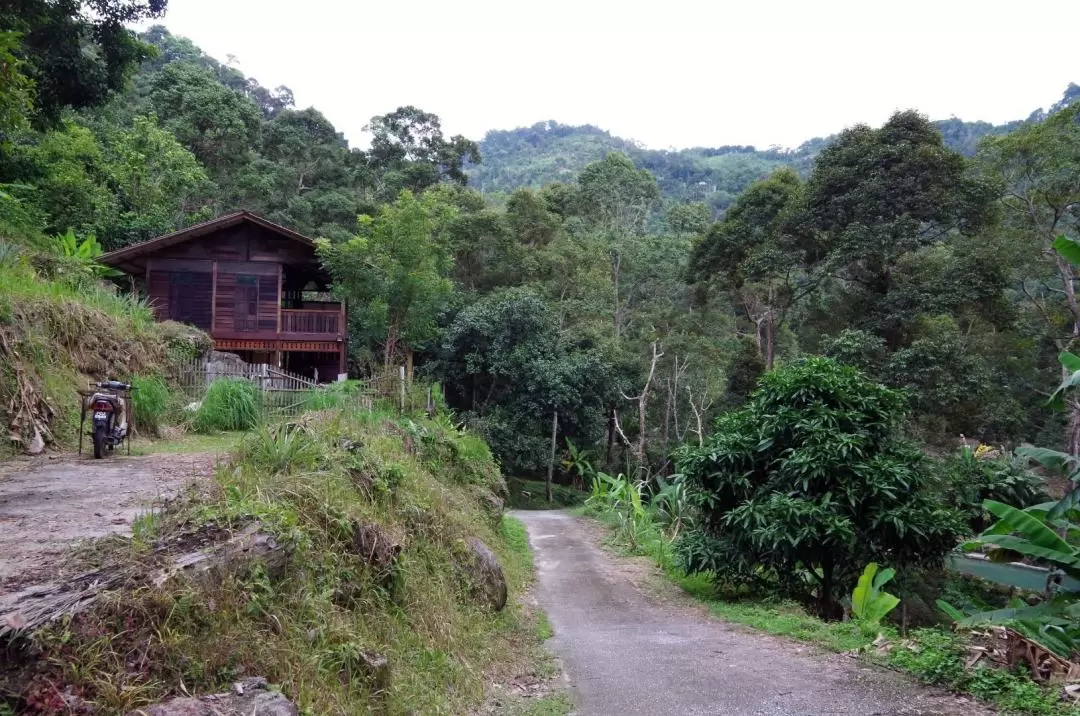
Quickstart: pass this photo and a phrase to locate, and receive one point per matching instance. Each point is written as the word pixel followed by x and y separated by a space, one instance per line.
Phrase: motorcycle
pixel 109 410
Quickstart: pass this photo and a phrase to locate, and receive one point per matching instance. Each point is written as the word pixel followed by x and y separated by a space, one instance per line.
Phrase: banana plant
pixel 1028 533
pixel 868 603
pixel 85 253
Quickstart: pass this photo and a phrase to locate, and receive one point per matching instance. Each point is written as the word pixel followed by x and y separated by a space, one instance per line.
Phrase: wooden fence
pixel 283 393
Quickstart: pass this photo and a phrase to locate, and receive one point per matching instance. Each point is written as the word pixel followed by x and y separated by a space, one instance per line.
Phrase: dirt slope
pixel 629 654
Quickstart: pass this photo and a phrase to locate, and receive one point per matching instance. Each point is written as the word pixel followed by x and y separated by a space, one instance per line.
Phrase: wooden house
pixel 257 288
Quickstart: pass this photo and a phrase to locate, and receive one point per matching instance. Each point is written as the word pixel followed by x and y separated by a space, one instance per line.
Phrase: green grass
pixel 544 630
pixel 152 404
pixel 557 704
pixel 189 443
pixel 229 404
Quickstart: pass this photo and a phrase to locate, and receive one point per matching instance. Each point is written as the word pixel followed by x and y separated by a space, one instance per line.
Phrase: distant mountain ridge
pixel 549 152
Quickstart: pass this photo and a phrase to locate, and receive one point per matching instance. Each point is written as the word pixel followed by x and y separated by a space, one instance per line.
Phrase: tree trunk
pixel 409 364
pixel 610 437
pixel 770 350
pixel 1072 428
pixel 551 462
pixel 825 598
pixel 616 270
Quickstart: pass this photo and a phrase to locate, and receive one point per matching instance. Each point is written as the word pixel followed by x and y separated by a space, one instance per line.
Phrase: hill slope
pixel 548 151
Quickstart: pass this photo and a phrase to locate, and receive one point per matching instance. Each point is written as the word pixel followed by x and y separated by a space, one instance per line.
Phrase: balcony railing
pixel 311 322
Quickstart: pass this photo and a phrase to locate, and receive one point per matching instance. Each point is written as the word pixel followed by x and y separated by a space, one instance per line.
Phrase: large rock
pixel 251 697
pixel 377 548
pixel 486 578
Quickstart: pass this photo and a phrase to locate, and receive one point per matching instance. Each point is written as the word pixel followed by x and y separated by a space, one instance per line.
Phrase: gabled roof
pixel 124 255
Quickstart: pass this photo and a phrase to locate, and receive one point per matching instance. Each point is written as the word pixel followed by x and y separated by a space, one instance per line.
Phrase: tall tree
pixel 396 270
pixel 77 51
pixel 410 151
pixel 1039 167
pixel 753 254
pixel 616 198
pixel 877 194
pixel 219 125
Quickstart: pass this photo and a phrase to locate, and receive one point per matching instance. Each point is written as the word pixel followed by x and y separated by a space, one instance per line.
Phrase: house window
pixel 246 308
pixel 181 297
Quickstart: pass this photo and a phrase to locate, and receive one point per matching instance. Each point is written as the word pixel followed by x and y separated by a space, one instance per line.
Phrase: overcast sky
pixel 668 73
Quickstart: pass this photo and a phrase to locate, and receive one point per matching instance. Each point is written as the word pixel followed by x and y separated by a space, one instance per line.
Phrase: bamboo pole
pixel 551 462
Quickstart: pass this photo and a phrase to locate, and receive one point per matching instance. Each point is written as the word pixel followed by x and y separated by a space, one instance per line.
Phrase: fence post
pixel 551 462
pixel 401 377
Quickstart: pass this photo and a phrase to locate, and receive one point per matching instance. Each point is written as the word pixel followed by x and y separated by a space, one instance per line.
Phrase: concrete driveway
pixel 627 653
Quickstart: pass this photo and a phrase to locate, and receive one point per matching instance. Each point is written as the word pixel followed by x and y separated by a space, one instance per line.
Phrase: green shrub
pixel 968 480
pixel 230 404
pixel 809 482
pixel 152 403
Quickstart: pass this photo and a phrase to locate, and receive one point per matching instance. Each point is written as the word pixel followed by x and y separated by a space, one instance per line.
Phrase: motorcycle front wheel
pixel 99 441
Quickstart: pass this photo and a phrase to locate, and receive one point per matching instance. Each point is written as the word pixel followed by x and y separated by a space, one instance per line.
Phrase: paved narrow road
pixel 628 654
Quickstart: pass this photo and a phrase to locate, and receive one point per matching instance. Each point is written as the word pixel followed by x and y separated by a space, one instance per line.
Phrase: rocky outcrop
pixel 250 697
pixel 487 582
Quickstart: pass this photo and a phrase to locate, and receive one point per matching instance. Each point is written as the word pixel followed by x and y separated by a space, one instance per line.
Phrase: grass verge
pixel 933 656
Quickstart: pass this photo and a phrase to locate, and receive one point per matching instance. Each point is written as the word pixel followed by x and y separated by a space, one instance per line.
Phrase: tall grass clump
pixel 152 402
pixel 230 404
pixel 336 396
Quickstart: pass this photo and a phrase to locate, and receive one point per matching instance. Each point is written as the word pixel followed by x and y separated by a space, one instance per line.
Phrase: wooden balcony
pixel 311 322
pixel 320 327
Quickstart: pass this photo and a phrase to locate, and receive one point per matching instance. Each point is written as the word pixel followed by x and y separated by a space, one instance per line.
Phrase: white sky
pixel 668 73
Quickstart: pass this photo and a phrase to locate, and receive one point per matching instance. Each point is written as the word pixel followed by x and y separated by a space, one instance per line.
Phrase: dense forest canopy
pixel 561 272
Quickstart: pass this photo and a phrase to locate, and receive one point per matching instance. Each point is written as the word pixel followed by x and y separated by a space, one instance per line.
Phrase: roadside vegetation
pixel 364 594
pixel 779 519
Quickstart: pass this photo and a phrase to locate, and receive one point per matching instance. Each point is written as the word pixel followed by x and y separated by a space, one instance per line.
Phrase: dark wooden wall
pixel 230 284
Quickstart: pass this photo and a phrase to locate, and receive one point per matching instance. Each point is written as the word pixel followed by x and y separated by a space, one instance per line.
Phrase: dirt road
pixel 47 505
pixel 628 654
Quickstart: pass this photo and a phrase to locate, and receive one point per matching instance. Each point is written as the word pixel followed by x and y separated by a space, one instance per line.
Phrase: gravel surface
pixel 48 504
pixel 628 653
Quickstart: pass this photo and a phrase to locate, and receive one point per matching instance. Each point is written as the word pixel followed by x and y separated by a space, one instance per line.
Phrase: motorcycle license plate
pixel 100 415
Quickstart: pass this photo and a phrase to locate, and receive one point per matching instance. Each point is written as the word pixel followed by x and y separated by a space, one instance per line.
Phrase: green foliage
pixel 16 87
pixel 969 479
pixel 398 268
pixel 1029 533
pixel 810 481
pixel 869 604
pixel 75 58
pixel 505 364
pixel 153 405
pixel 229 404
pixel 621 498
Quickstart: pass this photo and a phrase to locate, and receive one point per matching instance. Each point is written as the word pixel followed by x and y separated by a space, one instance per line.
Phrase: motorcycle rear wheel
pixel 99 441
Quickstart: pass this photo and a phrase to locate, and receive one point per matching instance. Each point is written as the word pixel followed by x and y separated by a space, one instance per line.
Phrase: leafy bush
pixel 230 404
pixel 152 403
pixel 969 479
pixel 810 481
